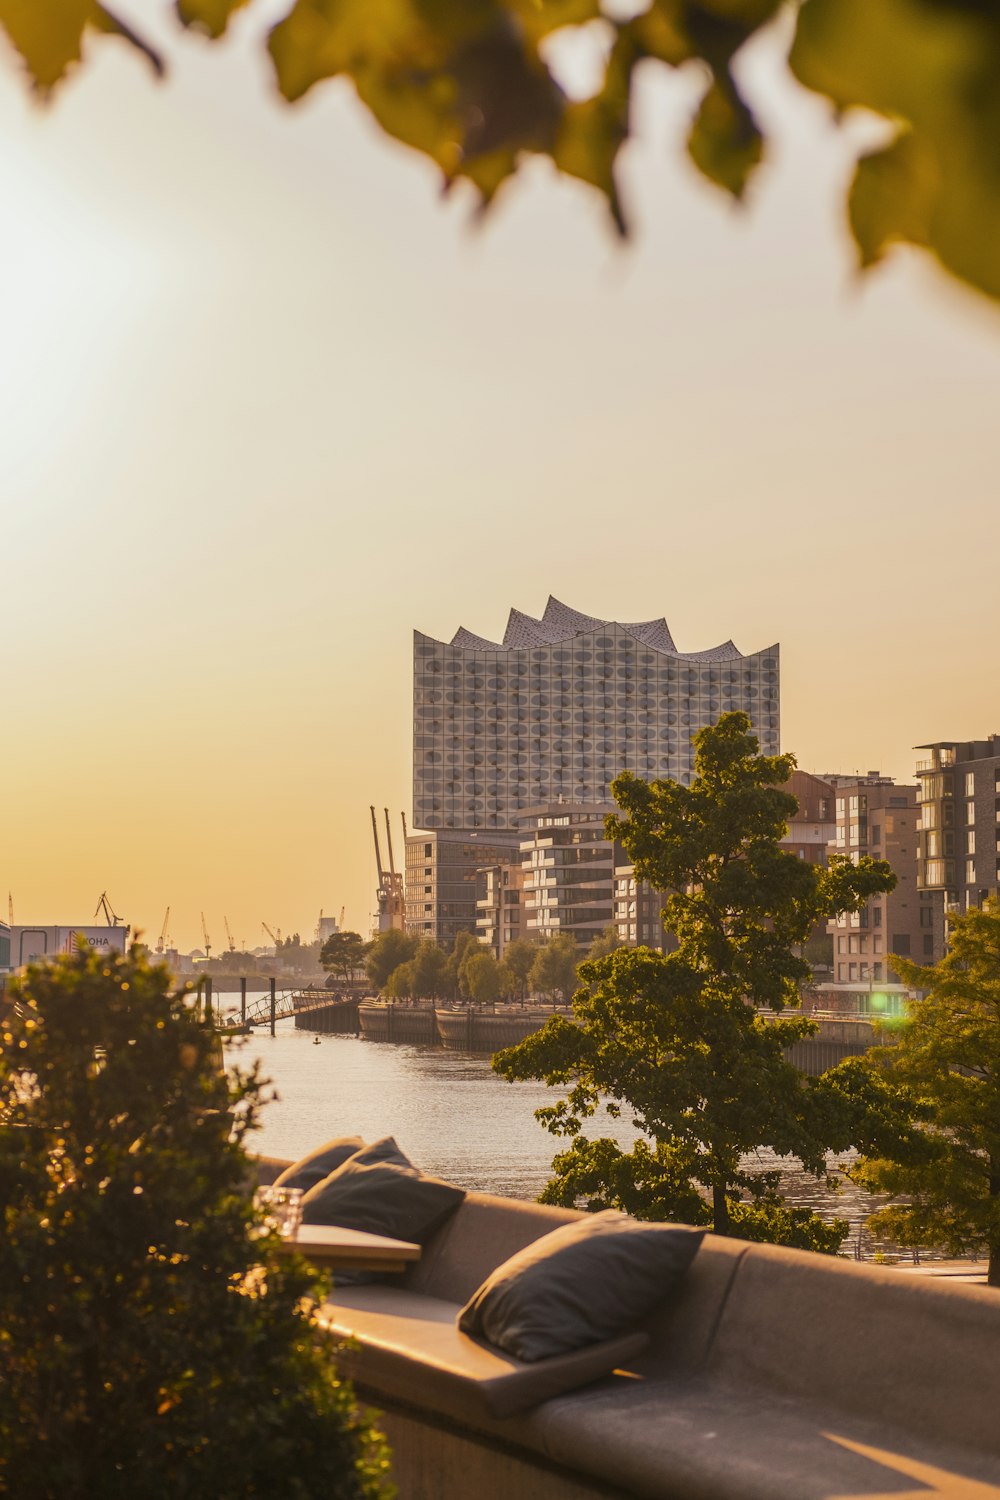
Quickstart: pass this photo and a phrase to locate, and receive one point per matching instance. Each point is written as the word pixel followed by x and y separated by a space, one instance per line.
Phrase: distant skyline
pixel 270 404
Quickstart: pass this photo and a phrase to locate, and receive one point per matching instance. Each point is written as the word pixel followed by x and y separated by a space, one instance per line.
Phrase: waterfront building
pixel 812 827
pixel 568 871
pixel 441 866
pixel 561 706
pixel 960 820
pixel 4 947
pixel 24 943
pixel 500 909
pixel 876 816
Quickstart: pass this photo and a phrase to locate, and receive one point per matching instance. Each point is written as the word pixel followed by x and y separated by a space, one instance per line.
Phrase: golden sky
pixel 268 403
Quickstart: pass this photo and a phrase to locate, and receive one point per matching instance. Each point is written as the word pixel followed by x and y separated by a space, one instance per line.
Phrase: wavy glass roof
pixel 560 623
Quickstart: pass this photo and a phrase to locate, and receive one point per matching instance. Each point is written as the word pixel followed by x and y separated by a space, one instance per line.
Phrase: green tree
pixel 554 970
pixel 425 976
pixel 386 952
pixel 471 87
pixel 944 1071
pixel 152 1340
pixel 606 942
pixel 482 977
pixel 464 947
pixel 343 953
pixel 692 1042
pixel 516 966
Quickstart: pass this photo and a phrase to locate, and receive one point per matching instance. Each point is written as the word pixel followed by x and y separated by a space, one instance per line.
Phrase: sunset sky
pixel 269 403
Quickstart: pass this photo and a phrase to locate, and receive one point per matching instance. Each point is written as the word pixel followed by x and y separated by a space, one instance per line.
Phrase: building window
pixel 970 872
pixel 852 946
pixel 876 832
pixel 928 945
pixel 840 945
pixel 970 783
pixel 877 943
pixel 877 971
pixel 852 971
pixel 901 944
pixel 926 916
pixel 970 841
pixel 428 851
pixel 876 916
pixel 970 812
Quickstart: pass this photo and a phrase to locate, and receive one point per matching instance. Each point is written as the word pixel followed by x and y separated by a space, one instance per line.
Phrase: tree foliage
pixel 482 977
pixel 425 976
pixel 152 1341
pixel 693 1042
pixel 515 968
pixel 343 953
pixel 554 970
pixel 386 952
pixel 470 84
pixel 944 1070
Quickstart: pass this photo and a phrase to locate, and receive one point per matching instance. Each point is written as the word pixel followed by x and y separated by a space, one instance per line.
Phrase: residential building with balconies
pixel 959 852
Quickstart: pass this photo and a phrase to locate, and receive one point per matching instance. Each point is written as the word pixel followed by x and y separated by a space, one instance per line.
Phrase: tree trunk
pixel 720 1209
pixel 993 1273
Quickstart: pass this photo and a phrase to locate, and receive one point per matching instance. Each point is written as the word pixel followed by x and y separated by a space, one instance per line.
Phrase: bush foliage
pixel 152 1342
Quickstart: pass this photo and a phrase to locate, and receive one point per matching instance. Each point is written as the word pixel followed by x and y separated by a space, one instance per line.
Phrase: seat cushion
pixel 315 1165
pixel 382 1196
pixel 587 1281
pixel 694 1439
pixel 409 1346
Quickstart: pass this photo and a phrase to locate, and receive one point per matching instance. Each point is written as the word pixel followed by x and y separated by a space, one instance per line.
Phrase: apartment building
pixel 440 880
pixel 959 854
pixel 876 816
pixel 500 913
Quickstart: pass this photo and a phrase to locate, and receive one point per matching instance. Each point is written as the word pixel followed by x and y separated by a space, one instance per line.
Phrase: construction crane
pixel 391 902
pixel 110 916
pixel 275 940
pixel 343 909
pixel 403 816
pixel 163 931
pixel 10 908
pixel 229 935
pixel 204 933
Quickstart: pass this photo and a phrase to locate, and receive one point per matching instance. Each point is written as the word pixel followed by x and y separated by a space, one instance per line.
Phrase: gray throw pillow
pixel 584 1282
pixel 382 1196
pixel 312 1168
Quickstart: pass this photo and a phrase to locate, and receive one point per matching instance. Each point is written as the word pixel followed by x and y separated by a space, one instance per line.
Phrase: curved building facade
pixel 561 706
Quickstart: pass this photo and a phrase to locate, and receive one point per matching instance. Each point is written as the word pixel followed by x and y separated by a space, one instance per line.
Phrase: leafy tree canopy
pixel 152 1340
pixel 688 1042
pixel 945 1071
pixel 343 953
pixel 469 84
pixel 554 970
pixel 386 952
pixel 482 977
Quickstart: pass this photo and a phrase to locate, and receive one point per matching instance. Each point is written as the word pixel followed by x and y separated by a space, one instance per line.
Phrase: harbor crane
pixel 391 901
pixel 343 909
pixel 229 935
pixel 163 931
pixel 204 933
pixel 110 915
pixel 275 940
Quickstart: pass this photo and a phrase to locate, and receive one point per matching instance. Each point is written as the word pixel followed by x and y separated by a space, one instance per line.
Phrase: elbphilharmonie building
pixel 563 704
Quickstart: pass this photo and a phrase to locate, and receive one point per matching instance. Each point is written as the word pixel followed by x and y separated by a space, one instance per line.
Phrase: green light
pixel 879 1002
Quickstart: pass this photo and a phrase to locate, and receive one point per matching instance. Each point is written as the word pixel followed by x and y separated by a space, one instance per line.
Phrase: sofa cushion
pixel 409 1346
pixel 382 1197
pixel 315 1165
pixel 699 1440
pixel 484 1232
pixel 582 1283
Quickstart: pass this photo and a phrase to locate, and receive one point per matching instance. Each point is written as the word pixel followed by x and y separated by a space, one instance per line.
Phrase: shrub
pixel 152 1341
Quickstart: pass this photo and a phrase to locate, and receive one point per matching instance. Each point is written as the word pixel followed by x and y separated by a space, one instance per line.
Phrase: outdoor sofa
pixel 770 1374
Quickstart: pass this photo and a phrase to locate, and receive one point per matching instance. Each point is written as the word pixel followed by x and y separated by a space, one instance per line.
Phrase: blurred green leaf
pixel 209 16
pixel 892 197
pixel 725 143
pixel 49 35
pixel 936 68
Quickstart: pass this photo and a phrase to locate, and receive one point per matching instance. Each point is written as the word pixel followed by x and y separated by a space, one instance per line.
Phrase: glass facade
pixel 500 728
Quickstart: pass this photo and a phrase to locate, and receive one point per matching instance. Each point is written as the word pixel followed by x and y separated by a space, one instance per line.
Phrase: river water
pixel 452 1116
